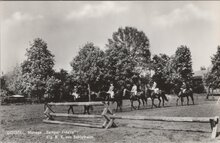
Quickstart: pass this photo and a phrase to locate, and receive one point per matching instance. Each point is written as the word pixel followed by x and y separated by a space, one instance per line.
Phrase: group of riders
pixel 134 90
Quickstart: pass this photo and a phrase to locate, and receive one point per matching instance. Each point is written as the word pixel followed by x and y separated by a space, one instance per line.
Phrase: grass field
pixel 23 123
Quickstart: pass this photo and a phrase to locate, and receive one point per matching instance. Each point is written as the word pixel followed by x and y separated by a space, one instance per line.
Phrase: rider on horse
pixel 110 91
pixel 134 89
pixel 75 92
pixel 154 88
pixel 184 88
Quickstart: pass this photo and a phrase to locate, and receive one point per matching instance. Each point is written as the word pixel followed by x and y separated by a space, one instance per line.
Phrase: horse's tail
pixel 164 96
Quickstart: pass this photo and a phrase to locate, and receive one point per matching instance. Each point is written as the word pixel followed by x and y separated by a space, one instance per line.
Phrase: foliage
pixel 37 68
pixel 162 69
pixel 198 85
pixel 208 78
pixel 126 55
pixel 53 88
pixel 66 84
pixel 15 81
pixel 216 67
pixel 3 86
pixel 183 64
pixel 87 65
pixel 3 93
pixel 212 78
pixel 3 82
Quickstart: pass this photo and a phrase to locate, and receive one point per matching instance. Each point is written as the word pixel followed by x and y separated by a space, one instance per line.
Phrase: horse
pixel 188 93
pixel 212 86
pixel 160 95
pixel 130 95
pixel 103 96
pixel 74 98
pixel 83 97
pixel 118 98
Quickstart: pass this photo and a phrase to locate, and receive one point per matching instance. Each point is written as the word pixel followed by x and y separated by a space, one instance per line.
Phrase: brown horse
pixel 188 93
pixel 152 95
pixel 130 95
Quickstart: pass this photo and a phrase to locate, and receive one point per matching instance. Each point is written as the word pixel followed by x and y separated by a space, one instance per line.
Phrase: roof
pixel 17 96
pixel 200 73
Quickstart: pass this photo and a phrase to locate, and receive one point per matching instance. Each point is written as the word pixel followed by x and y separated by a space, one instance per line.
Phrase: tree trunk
pixel 89 92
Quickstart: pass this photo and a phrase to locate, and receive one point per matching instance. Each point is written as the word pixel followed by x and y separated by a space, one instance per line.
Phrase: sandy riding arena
pixel 23 123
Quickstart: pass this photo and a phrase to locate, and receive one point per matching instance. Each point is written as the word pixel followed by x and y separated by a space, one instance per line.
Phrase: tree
pixel 127 54
pixel 37 68
pixel 212 77
pixel 216 67
pixel 53 88
pixel 183 64
pixel 162 69
pixel 3 86
pixel 14 80
pixel 87 65
pixel 66 84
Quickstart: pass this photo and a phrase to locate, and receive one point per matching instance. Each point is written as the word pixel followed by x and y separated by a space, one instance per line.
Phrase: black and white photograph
pixel 109 71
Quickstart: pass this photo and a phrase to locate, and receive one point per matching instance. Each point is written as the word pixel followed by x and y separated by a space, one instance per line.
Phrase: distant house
pixel 198 85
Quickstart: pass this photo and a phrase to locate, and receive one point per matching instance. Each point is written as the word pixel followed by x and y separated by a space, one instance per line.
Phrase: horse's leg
pixel 152 100
pixel 146 101
pixel 113 101
pixel 159 102
pixel 117 107
pixel 45 105
pixel 108 99
pixel 91 107
pixel 153 103
pixel 84 112
pixel 131 104
pixel 187 97
pixel 177 100
pixel 192 98
pixel 88 107
pixel 162 101
pixel 70 108
pixel 181 100
pixel 139 103
pixel 120 104
pixel 142 101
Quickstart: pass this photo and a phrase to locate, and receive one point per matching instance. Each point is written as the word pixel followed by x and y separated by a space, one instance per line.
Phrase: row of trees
pixel 212 77
pixel 126 60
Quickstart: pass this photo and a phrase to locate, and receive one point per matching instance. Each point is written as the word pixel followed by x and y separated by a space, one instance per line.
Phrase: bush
pixel 199 89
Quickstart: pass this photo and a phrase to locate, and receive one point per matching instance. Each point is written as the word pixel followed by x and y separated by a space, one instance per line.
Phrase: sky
pixel 67 25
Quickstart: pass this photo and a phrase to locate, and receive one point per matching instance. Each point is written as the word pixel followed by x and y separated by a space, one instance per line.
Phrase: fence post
pixel 214 127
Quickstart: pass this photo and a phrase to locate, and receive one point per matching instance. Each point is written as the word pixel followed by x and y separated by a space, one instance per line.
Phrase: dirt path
pixel 23 123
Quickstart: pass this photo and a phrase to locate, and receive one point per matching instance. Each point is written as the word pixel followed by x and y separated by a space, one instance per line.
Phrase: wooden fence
pixel 50 114
pixel 212 120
